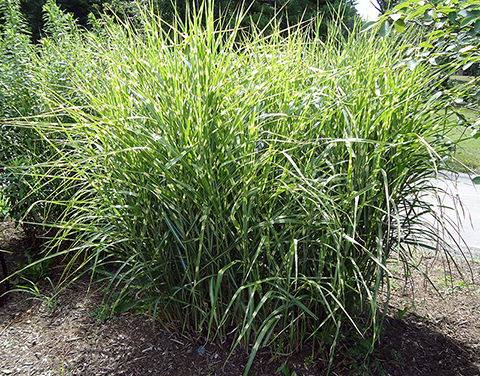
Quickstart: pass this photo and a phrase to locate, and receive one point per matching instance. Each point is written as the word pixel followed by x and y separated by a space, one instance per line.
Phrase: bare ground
pixel 429 330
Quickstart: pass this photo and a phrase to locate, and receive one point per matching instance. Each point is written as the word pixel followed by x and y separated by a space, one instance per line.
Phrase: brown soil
pixel 439 334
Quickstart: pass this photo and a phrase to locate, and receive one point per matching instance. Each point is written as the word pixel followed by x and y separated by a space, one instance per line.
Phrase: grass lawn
pixel 468 149
pixel 467 152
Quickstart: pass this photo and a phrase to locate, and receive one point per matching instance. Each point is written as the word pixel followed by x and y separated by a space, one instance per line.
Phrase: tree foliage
pixel 452 29
pixel 260 13
pixel 452 42
pixel 265 12
pixel 33 13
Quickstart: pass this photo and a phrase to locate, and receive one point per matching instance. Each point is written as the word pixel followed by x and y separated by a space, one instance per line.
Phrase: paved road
pixel 467 214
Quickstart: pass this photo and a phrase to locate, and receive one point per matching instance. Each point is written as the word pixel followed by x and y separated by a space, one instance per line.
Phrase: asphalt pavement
pixel 463 202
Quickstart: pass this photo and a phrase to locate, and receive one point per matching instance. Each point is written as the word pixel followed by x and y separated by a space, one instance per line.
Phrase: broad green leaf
pixel 417 12
pixel 412 64
pixel 446 10
pixel 429 14
pixel 368 26
pixel 476 28
pixel 440 24
pixel 385 29
pixel 399 26
pixel 476 180
pixel 403 5
pixel 465 49
pixel 452 17
pixel 467 21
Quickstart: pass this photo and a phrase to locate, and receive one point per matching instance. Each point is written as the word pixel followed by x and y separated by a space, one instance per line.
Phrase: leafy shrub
pixel 29 79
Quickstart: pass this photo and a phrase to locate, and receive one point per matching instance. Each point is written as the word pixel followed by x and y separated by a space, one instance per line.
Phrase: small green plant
pixel 308 361
pixel 402 312
pixel 285 370
pixel 366 365
pixel 50 300
pixel 450 284
pixel 476 260
pixel 64 371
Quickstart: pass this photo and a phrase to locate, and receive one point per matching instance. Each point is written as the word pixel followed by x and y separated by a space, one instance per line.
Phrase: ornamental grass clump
pixel 242 182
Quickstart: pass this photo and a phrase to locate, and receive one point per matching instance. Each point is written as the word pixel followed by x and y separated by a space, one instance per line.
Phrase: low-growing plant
pixel 259 183
pixel 49 300
pixel 309 361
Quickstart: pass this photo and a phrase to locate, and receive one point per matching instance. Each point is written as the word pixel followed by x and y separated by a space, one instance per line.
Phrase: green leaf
pixel 440 24
pixel 452 17
pixel 410 51
pixel 445 10
pixel 429 14
pixel 402 5
pixel 425 45
pixel 412 64
pixel 385 29
pixel 466 49
pixel 435 96
pixel 396 16
pixel 399 26
pixel 284 369
pixel 401 312
pixel 467 21
pixel 476 28
pixel 419 11
pixel 368 26
pixel 476 180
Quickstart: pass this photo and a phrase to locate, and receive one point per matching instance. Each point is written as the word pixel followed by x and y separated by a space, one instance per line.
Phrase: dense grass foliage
pixel 258 187
pixel 30 77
